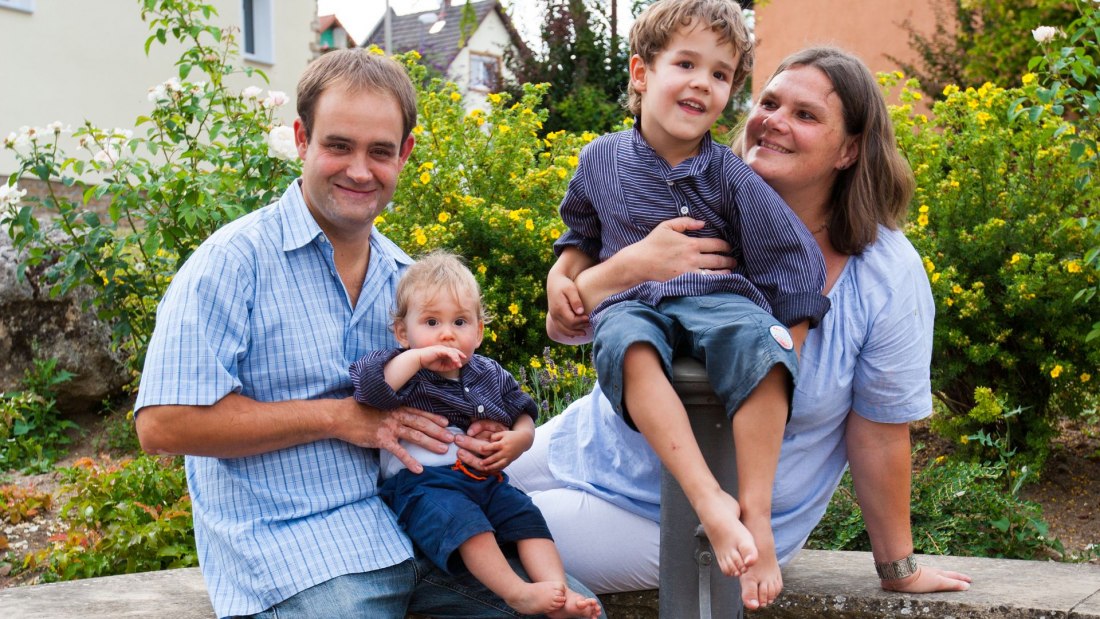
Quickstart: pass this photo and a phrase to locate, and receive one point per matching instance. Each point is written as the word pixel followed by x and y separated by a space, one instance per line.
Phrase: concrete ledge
pixel 818 584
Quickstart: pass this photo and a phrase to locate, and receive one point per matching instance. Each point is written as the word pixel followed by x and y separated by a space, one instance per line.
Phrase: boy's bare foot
pixel 537 598
pixel 731 541
pixel 577 606
pixel 761 582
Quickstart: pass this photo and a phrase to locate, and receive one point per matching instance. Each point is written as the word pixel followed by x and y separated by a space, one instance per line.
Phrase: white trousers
pixel 604 546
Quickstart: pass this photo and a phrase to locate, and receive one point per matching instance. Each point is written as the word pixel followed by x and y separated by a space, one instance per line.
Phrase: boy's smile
pixel 683 90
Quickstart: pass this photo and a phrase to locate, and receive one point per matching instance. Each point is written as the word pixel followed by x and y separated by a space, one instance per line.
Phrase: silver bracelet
pixel 896 570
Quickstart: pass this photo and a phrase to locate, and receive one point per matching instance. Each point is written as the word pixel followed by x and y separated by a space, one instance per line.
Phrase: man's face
pixel 351 162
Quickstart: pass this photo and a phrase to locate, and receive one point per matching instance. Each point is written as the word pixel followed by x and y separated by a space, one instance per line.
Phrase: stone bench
pixel 818 584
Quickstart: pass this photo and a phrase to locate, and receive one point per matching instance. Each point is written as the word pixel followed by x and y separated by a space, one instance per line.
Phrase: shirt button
pixel 480 408
pixel 683 210
pixel 467 389
pixel 671 183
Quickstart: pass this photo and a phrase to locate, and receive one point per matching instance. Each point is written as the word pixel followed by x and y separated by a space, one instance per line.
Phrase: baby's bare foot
pixel 537 598
pixel 762 582
pixel 578 606
pixel 730 541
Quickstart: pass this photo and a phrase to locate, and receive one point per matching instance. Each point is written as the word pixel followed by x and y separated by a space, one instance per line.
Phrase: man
pixel 247 374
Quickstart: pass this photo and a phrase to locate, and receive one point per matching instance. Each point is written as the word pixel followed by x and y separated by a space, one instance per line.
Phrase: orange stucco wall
pixel 869 28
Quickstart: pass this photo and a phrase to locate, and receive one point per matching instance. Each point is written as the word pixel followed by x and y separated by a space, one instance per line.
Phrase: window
pixel 258 30
pixel 26 6
pixel 484 72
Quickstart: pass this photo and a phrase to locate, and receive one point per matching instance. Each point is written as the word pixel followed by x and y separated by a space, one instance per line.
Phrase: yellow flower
pixel 554 233
pixel 420 238
pixel 444 216
pixel 1027 78
pixel 427 165
pixel 1056 372
pixel 1015 258
pixel 503 128
pixel 940 459
pixel 935 277
pixel 513 215
pixel 562 173
pixel 378 221
pixel 929 266
pixel 1086 377
pixel 493 335
pixel 425 178
pixel 495 98
pixel 922 220
pixel 957 289
pixel 529 224
pixel 1073 267
pixel 481 269
pixel 949 301
pixel 535 363
pixel 456 97
pixel 582 370
pixel 573 161
pixel 513 309
pixel 418 129
pixel 923 208
pixel 950 89
pixel 964 439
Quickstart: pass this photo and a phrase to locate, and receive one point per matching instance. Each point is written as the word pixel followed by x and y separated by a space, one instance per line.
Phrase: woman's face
pixel 795 137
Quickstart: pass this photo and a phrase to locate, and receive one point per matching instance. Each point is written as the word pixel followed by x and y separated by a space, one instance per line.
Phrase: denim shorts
pixel 441 508
pixel 737 341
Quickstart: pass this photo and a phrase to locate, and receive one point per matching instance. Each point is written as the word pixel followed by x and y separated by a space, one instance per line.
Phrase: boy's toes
pixel 750 593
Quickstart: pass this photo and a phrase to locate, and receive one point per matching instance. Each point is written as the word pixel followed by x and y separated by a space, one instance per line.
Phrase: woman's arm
pixel 879 456
pixel 664 254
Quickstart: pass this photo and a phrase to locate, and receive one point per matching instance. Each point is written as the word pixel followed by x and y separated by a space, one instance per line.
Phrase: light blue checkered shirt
pixel 260 310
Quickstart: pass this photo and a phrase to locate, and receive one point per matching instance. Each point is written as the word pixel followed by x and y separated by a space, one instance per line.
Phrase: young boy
pixel 688 56
pixel 439 322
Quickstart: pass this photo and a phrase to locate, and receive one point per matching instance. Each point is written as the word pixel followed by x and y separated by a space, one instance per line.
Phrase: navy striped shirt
pixel 622 189
pixel 484 390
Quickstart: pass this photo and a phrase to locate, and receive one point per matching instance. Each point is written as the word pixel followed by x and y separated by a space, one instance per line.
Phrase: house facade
pixel 465 43
pixel 69 61
pixel 871 29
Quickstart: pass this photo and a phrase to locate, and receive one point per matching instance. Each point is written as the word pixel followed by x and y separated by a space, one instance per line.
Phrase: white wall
pixel 72 60
pixel 490 38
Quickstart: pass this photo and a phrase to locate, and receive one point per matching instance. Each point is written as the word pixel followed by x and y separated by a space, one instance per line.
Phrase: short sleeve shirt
pixel 260 310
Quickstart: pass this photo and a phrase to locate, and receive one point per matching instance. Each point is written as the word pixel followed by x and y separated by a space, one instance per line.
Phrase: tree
pixel 979 41
pixel 585 63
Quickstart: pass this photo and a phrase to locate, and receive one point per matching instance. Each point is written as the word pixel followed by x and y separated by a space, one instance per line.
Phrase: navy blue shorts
pixel 441 508
pixel 737 341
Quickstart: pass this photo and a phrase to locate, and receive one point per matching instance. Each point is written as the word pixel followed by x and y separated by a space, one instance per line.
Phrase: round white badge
pixel 782 337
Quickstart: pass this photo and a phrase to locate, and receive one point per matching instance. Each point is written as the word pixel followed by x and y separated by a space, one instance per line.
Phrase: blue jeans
pixel 737 341
pixel 414 586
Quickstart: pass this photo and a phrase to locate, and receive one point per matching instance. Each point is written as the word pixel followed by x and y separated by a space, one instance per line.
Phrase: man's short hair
pixel 356 69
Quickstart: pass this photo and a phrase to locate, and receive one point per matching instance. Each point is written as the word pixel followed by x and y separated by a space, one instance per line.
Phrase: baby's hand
pixel 441 358
pixel 484 429
pixel 504 447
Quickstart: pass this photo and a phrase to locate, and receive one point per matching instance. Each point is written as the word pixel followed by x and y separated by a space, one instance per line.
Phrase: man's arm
pixel 238 426
pixel 879 457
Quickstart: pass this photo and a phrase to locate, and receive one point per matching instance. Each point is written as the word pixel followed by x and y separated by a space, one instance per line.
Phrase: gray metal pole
pixel 692 585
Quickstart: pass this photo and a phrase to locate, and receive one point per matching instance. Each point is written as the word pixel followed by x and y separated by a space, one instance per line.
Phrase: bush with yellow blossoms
pixel 994 219
pixel 486 185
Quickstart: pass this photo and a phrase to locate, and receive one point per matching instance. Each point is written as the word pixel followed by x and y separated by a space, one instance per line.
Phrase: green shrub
pixel 32 430
pixel 994 218
pixel 125 517
pixel 958 508
pixel 202 161
pixel 487 185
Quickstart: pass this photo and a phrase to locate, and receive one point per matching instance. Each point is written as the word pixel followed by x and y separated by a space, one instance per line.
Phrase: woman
pixel 864 372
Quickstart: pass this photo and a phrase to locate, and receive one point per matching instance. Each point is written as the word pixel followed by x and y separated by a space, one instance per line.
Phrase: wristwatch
pixel 895 570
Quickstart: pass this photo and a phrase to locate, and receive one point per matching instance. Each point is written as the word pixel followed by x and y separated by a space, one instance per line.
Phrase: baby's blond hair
pixel 432 274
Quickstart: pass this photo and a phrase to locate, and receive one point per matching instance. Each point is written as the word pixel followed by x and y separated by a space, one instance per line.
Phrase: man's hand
pixel 490 446
pixel 367 426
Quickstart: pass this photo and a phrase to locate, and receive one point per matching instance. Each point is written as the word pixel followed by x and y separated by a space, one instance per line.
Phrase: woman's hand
pixel 662 255
pixel 566 320
pixel 929 580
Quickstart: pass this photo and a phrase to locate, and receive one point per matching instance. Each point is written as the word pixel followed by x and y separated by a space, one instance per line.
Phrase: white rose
pixel 275 98
pixel 158 93
pixel 10 195
pixel 252 92
pixel 280 143
pixel 1044 34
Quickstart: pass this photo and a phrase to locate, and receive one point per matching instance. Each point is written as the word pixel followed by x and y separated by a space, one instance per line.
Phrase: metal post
pixel 692 585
